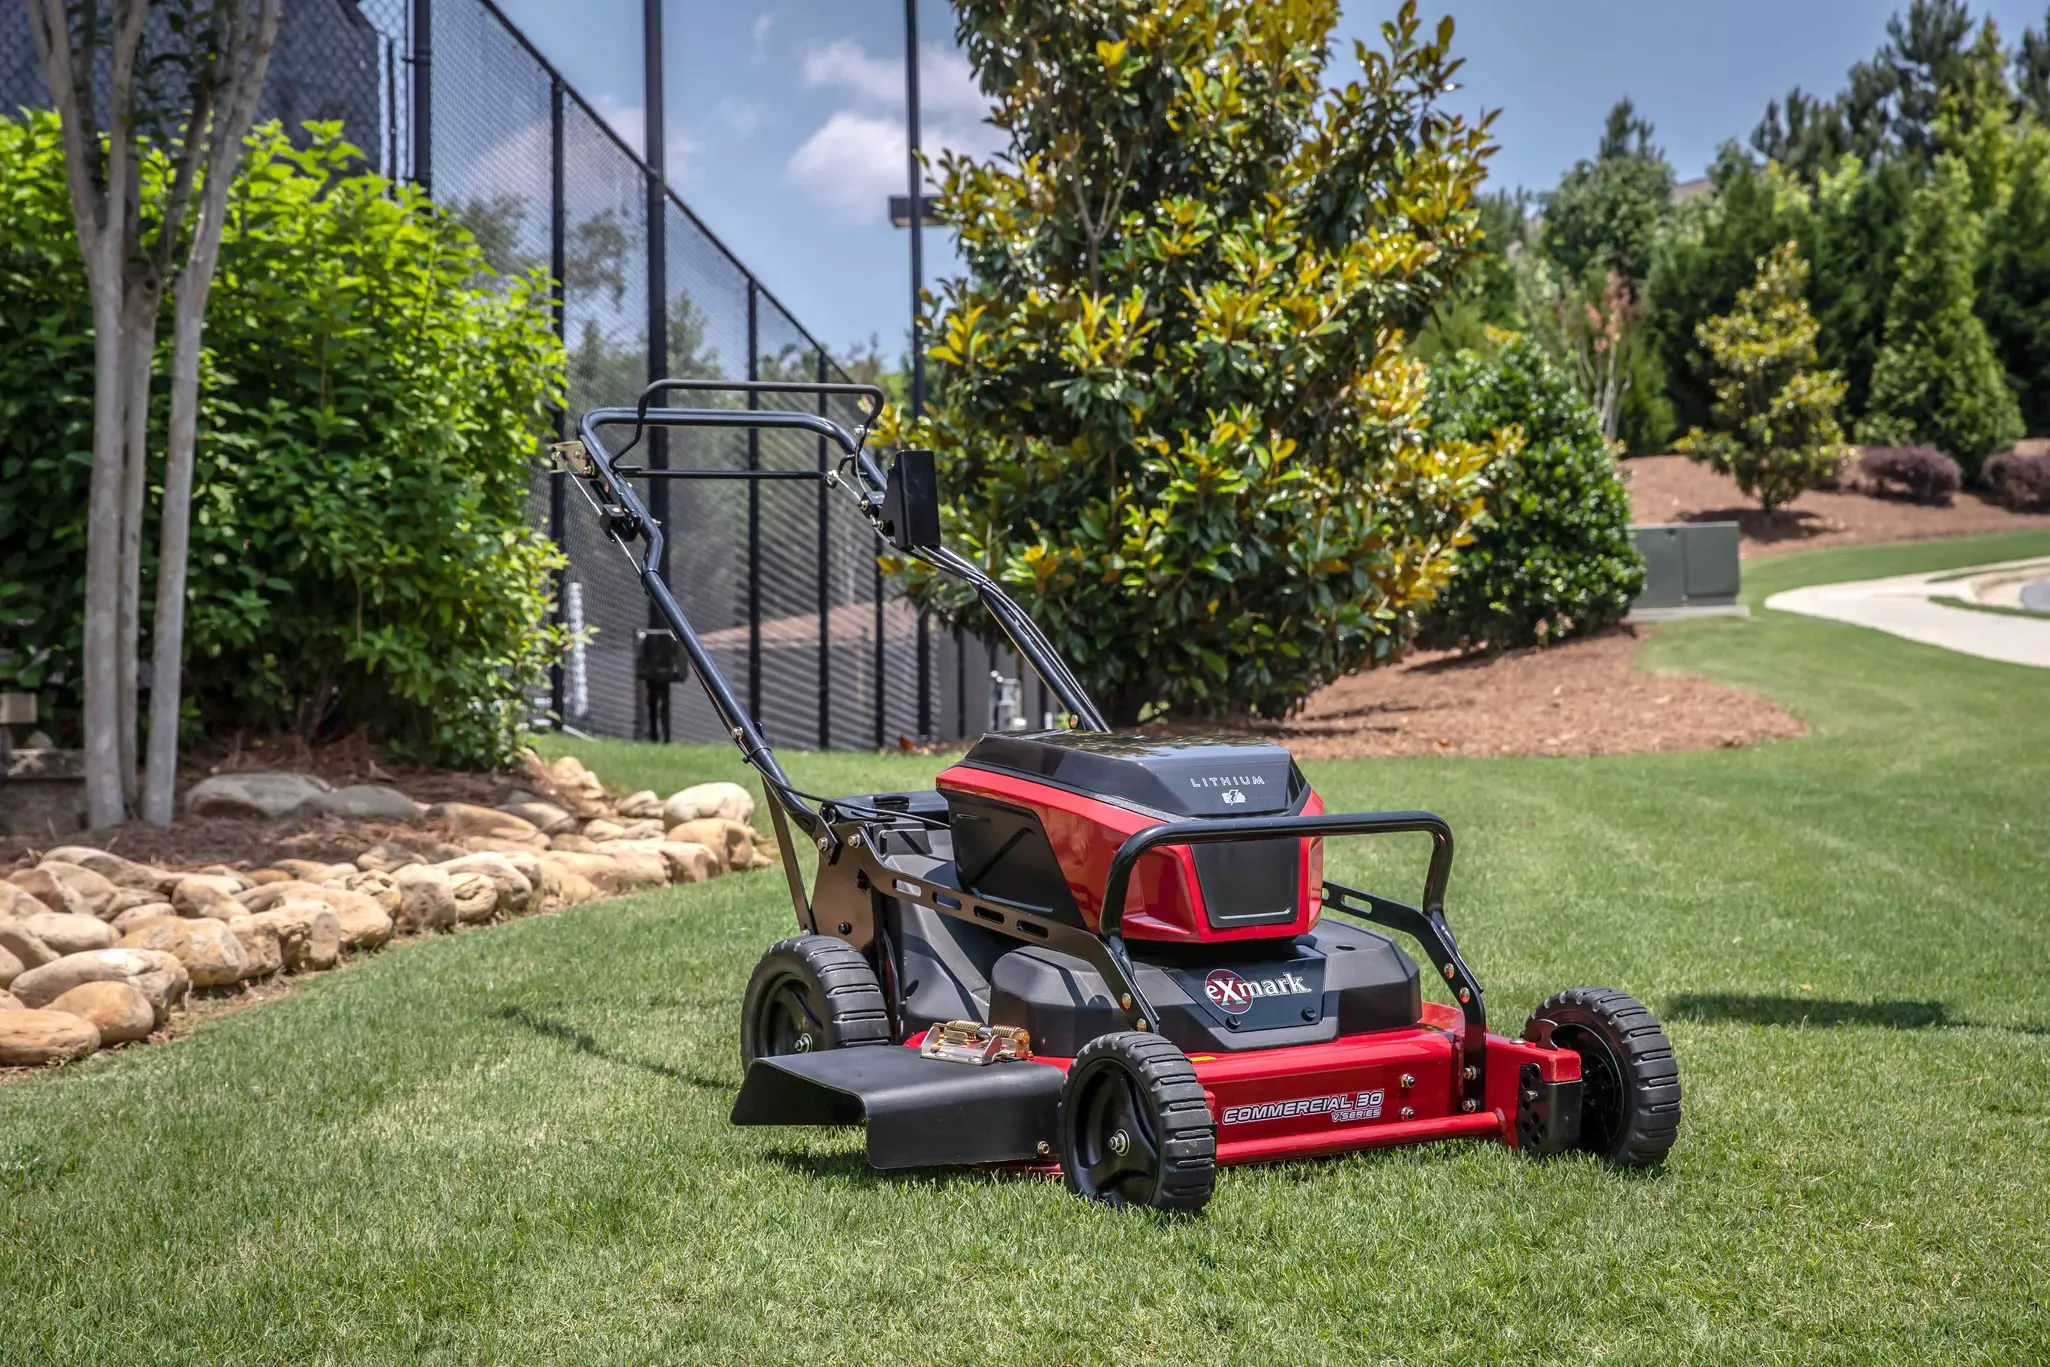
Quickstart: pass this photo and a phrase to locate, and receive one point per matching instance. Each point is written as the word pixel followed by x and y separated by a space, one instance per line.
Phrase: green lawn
pixel 511 1146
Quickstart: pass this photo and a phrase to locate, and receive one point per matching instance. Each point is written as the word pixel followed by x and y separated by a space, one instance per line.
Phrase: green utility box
pixel 1688 565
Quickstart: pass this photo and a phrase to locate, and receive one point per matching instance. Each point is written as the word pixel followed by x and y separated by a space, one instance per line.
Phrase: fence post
pixel 557 479
pixel 423 95
pixel 754 510
pixel 881 662
pixel 825 584
pixel 658 265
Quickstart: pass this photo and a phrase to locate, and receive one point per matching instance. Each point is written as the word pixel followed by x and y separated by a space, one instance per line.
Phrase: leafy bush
pixel 361 550
pixel 1921 473
pixel 1938 380
pixel 1178 415
pixel 2018 482
pixel 1775 429
pixel 1552 557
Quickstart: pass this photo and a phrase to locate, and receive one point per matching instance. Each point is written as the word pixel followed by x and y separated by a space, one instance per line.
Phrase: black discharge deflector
pixel 921 1112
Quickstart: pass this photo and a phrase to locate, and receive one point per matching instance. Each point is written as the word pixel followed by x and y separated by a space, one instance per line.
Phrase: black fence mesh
pixel 779 577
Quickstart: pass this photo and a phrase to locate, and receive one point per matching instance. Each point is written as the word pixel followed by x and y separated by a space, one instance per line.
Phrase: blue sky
pixel 785 117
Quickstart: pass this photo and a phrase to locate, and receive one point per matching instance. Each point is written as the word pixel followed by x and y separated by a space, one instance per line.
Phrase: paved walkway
pixel 1902 605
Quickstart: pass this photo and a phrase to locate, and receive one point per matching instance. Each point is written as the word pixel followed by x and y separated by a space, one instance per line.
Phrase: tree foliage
pixel 1173 399
pixel 1553 557
pixel 1775 425
pixel 1606 213
pixel 2014 277
pixel 1937 380
pixel 361 554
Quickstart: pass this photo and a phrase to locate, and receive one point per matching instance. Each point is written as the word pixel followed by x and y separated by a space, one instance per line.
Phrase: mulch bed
pixel 1675 489
pixel 1580 698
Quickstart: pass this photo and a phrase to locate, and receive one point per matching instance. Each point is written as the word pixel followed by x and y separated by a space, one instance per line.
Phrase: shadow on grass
pixel 854 1167
pixel 549 1028
pixel 1746 1008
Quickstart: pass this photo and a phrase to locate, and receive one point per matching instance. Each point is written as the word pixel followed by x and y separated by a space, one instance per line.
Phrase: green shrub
pixel 361 551
pixel 1178 416
pixel 1553 556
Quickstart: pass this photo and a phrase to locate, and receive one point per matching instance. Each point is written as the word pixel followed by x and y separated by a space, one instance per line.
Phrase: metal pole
pixel 658 258
pixel 881 663
pixel 915 177
pixel 754 512
pixel 557 479
pixel 423 95
pixel 825 583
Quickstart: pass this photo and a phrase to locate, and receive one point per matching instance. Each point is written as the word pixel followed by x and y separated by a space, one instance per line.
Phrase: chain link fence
pixel 779 577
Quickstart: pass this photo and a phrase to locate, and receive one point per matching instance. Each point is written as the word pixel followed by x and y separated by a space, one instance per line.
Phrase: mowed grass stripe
pixel 512 1145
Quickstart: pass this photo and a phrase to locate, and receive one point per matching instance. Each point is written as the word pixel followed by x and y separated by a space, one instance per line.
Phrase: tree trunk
pixel 167 634
pixel 139 335
pixel 104 798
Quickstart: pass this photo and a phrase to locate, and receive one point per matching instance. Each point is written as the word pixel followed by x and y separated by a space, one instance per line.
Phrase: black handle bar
pixel 1213 830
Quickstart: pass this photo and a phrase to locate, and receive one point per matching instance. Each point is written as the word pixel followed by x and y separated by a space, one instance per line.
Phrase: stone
pixel 425 899
pixel 378 887
pixel 475 895
pixel 688 861
pixel 470 819
pixel 10 968
pixel 619 870
pixel 512 890
pixel 262 797
pixel 45 888
pixel 572 844
pixel 93 891
pixel 208 949
pixel 365 802
pixel 385 856
pixel 121 872
pixel 128 899
pixel 130 918
pixel 119 1012
pixel 600 830
pixel 545 817
pixel 22 943
pixel 31 1037
pixel 440 852
pixel 9 1002
pixel 498 844
pixel 650 828
pixel 308 870
pixel 17 902
pixel 263 876
pixel 728 800
pixel 235 878
pixel 158 976
pixel 567 769
pixel 364 924
pixel 645 803
pixel 732 841
pixel 309 935
pixel 69 934
pixel 206 894
pixel 260 942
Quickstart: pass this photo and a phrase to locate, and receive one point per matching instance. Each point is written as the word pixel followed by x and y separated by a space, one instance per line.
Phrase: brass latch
pixel 974 1042
pixel 572 456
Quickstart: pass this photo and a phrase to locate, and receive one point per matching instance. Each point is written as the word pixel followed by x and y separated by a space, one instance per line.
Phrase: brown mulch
pixel 194 841
pixel 1675 489
pixel 1580 698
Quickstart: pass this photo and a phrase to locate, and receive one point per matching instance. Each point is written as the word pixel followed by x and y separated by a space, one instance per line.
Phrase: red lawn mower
pixel 1115 953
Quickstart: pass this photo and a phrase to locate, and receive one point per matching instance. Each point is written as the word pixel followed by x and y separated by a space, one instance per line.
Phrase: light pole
pixel 915 200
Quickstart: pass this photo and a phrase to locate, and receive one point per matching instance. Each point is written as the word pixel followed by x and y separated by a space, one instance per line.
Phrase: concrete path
pixel 1904 606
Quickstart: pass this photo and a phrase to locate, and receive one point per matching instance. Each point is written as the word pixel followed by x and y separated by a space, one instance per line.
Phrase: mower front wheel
pixel 1134 1127
pixel 811 992
pixel 1629 1081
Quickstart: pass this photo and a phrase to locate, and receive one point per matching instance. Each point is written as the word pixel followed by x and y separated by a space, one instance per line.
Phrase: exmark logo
pixel 1234 995
pixel 1343 1108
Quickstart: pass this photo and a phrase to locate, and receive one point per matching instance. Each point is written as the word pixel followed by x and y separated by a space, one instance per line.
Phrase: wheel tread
pixel 1650 1072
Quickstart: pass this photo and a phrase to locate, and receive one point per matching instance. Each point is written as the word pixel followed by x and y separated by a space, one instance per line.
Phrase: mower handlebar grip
pixel 1215 830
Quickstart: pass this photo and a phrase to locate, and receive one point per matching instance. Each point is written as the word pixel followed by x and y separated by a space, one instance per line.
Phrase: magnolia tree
pixel 197 95
pixel 1173 402
pixel 1775 426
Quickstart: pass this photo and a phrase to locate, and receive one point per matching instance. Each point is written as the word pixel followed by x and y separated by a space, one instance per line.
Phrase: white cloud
pixel 760 34
pixel 856 159
pixel 630 122
pixel 741 117
pixel 946 83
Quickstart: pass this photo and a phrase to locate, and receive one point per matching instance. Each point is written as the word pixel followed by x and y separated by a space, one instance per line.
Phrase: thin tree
pixel 223 49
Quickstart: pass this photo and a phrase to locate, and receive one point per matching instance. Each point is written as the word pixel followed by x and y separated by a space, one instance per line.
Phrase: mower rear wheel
pixel 811 992
pixel 1134 1127
pixel 1629 1080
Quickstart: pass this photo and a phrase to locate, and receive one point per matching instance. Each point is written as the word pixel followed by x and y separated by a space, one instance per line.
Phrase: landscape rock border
pixel 98 950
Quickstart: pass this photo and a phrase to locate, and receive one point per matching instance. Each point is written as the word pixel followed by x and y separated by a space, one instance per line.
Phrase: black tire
pixel 1629 1080
pixel 807 993
pixel 1135 1130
